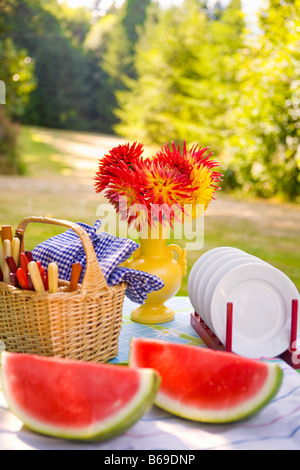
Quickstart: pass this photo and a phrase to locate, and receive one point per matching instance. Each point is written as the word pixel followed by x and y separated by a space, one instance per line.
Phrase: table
pixel 276 427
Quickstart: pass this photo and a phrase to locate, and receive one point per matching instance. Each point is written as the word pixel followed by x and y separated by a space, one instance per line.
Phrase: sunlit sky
pixel 249 6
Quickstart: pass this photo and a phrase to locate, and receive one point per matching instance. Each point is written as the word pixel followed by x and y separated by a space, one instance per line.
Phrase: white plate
pixel 197 265
pixel 204 274
pixel 262 300
pixel 219 272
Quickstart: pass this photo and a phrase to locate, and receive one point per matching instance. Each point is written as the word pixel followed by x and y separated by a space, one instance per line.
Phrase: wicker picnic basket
pixel 84 324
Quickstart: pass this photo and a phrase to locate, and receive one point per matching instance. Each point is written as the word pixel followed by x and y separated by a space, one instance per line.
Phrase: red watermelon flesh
pixel 76 399
pixel 201 384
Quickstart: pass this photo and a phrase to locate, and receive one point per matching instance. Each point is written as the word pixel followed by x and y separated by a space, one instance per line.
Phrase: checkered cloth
pixel 66 249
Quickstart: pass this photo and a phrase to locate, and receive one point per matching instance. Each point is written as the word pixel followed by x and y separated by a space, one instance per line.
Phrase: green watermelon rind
pixel 244 411
pixel 109 428
pixel 232 414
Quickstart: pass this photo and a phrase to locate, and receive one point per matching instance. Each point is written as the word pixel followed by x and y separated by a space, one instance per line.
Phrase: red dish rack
pixel 291 355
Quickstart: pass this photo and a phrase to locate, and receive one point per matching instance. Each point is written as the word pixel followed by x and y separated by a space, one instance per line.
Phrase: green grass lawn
pixel 59 184
pixel 267 230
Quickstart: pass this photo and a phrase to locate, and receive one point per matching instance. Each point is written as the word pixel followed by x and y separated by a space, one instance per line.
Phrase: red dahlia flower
pixel 170 179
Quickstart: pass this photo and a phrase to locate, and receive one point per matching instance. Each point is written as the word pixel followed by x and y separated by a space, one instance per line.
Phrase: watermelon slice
pixel 201 384
pixel 75 399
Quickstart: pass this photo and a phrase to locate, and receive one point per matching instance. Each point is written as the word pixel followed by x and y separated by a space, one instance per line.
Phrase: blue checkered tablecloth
pixel 178 330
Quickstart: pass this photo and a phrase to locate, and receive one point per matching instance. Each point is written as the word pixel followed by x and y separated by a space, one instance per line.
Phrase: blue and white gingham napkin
pixel 66 249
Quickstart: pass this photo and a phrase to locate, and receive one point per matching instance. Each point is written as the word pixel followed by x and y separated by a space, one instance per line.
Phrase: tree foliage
pixel 185 68
pixel 17 74
pixel 192 72
pixel 262 145
pixel 112 39
pixel 202 76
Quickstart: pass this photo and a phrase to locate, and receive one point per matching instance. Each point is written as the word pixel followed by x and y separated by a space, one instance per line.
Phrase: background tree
pixel 189 72
pixel 262 144
pixel 17 73
pixel 111 41
pixel 118 60
pixel 184 63
pixel 52 38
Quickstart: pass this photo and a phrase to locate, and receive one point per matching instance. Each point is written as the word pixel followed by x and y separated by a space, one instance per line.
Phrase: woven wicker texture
pixel 82 325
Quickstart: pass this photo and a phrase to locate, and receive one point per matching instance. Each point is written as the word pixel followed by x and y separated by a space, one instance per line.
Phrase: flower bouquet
pixel 163 187
pixel 155 192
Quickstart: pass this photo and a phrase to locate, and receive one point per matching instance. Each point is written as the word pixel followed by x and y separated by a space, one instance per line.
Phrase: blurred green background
pixel 225 74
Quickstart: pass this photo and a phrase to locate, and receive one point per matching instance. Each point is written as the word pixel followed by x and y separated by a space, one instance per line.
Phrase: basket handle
pixel 94 280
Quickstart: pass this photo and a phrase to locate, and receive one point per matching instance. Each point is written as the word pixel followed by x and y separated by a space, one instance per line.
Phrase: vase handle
pixel 126 263
pixel 181 256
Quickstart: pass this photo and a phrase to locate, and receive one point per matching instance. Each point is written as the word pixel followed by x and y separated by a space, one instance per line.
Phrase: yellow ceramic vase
pixel 156 257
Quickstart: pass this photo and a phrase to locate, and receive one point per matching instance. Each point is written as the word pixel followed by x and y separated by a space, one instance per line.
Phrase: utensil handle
pixel 94 280
pixel 75 276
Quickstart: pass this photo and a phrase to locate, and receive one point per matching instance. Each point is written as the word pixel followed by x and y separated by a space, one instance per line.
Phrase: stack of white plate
pixel 261 295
